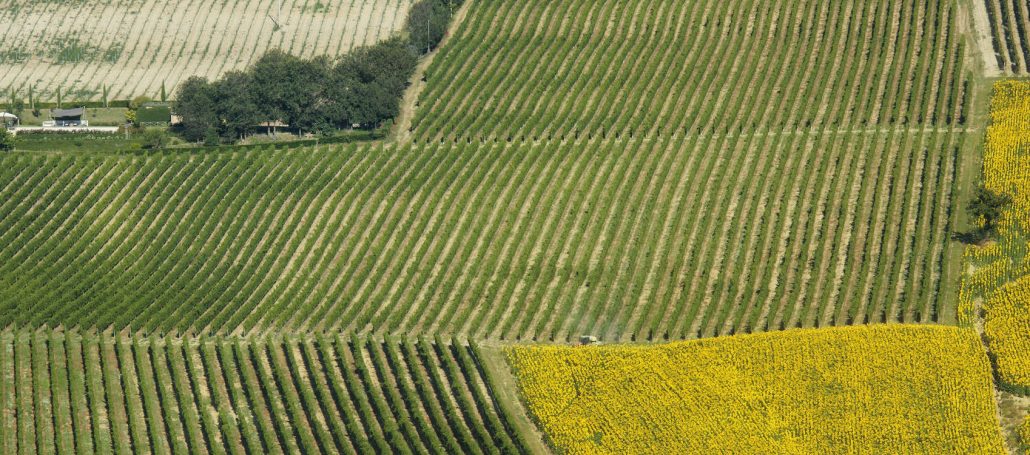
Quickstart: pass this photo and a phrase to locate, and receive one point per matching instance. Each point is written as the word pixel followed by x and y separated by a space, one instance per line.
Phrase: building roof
pixel 73 112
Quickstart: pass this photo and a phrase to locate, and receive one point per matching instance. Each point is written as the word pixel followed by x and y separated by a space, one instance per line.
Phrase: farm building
pixel 67 117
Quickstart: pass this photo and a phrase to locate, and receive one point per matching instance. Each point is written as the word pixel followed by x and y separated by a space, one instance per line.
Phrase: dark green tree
pixel 196 105
pixel 211 137
pixel 367 84
pixel 237 108
pixel 6 141
pixel 289 88
pixel 427 24
pixel 987 205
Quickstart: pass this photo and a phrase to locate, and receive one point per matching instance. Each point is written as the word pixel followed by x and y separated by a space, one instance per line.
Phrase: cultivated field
pixel 1010 23
pixel 673 238
pixel 997 276
pixel 641 171
pixel 87 393
pixel 884 389
pixel 543 70
pixel 133 47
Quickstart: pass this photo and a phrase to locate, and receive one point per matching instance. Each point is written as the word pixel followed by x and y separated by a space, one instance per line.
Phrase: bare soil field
pixel 134 48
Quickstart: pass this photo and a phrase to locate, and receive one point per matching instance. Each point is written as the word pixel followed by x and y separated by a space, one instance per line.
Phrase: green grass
pixel 61 143
pixel 99 116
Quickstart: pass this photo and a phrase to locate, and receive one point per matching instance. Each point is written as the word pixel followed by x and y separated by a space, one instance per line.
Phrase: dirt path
pixel 402 127
pixel 507 397
pixel 1009 408
pixel 1012 410
pixel 979 28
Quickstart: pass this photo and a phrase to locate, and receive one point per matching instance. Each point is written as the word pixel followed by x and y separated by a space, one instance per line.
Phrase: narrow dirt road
pixel 979 27
pixel 402 127
pixel 507 394
pixel 1009 408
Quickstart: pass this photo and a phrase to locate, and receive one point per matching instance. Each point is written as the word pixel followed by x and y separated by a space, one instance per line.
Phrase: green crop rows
pixel 542 70
pixel 672 238
pixel 638 170
pixel 89 393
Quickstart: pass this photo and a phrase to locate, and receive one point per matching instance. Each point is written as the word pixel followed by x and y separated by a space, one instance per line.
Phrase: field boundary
pixel 417 84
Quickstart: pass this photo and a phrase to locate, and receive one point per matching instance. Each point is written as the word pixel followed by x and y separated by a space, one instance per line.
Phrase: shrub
pixel 154 139
pixel 6 141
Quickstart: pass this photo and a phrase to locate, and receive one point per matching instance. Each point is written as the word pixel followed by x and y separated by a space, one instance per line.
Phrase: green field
pixel 260 395
pixel 625 239
pixel 541 70
pixel 641 171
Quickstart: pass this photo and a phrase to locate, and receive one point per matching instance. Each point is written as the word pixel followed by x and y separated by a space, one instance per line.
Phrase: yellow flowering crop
pixel 877 389
pixel 1007 325
pixel 1024 434
pixel 998 275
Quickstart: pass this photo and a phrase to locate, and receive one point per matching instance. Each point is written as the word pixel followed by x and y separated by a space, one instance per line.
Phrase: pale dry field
pixel 135 46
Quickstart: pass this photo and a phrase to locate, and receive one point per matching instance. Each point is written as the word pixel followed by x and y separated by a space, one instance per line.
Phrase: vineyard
pixel 879 389
pixel 1010 23
pixel 630 240
pixel 130 48
pixel 766 193
pixel 88 393
pixel 540 70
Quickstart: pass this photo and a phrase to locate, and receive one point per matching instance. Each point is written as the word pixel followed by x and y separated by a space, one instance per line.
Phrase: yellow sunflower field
pixel 997 277
pixel 876 389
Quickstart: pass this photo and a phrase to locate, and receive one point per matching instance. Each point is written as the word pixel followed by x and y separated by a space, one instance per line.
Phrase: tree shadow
pixel 976 237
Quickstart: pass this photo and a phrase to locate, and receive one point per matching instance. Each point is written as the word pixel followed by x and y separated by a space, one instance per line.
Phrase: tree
pixel 196 105
pixel 427 23
pixel 988 206
pixel 367 84
pixel 6 141
pixel 18 107
pixel 289 88
pixel 154 139
pixel 211 137
pixel 237 108
pixel 986 209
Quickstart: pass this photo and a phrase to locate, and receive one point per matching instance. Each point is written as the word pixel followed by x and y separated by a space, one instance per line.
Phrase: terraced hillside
pixel 86 393
pixel 631 239
pixel 544 70
pixel 1010 24
pixel 133 47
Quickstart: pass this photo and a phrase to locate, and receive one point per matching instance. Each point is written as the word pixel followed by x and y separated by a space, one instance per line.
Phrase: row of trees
pixel 360 89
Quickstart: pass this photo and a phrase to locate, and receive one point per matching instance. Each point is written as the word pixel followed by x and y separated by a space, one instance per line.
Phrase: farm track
pixel 1005 37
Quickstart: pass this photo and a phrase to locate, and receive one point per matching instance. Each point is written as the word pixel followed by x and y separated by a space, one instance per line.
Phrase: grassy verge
pixel 100 116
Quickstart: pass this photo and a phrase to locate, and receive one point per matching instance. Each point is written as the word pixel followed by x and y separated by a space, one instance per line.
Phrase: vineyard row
pixel 539 70
pixel 87 393
pixel 632 240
